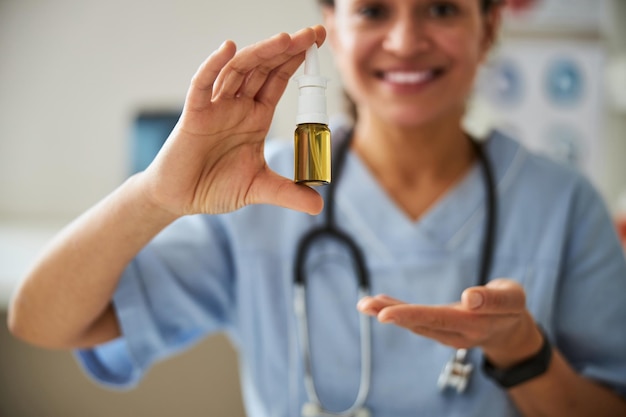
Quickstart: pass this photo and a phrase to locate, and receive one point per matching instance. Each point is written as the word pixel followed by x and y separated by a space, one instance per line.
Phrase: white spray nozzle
pixel 312 86
pixel 311 61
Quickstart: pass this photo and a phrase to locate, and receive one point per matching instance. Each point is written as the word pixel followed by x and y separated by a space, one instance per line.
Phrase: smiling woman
pixel 376 11
pixel 467 243
pixel 409 68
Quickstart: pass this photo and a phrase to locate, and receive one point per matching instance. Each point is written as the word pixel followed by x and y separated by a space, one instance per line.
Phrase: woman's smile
pixel 408 81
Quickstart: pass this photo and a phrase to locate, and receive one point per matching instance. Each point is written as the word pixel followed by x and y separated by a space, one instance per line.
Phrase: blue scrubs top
pixel 234 273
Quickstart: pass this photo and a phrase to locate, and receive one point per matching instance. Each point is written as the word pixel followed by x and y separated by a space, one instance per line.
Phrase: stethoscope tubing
pixel 491 214
pixel 330 230
pixel 300 309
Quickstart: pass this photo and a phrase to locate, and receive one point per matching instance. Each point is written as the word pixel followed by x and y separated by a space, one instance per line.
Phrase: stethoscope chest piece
pixel 456 372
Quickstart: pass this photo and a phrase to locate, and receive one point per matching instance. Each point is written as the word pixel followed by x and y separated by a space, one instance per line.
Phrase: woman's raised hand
pixel 213 161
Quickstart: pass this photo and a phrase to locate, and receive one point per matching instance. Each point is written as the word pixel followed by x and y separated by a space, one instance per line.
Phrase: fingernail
pixel 385 318
pixel 475 299
pixel 364 307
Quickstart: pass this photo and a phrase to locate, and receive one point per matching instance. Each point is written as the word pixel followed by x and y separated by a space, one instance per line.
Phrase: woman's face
pixel 409 62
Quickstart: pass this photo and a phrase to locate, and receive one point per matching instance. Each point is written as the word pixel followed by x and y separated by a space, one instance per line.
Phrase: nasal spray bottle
pixel 312 136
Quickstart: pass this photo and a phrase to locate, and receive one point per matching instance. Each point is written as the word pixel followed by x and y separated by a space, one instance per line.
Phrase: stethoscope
pixel 457 371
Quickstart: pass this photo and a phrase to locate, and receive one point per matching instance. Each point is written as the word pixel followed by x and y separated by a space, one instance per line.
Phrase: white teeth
pixel 408 77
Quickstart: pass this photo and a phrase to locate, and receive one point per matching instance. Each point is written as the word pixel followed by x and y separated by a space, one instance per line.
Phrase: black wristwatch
pixel 528 369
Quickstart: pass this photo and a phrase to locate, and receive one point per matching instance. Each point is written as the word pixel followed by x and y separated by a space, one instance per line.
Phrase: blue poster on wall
pixel 564 82
pixel 548 93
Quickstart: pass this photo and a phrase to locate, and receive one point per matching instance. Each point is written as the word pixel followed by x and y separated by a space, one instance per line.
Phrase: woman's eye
pixel 443 9
pixel 372 12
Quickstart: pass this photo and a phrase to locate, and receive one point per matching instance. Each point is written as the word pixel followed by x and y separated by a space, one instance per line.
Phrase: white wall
pixel 74 72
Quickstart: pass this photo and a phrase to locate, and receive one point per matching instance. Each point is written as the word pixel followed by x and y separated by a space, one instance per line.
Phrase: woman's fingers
pixel 482 311
pixel 248 71
pixel 230 80
pixel 493 317
pixel 264 67
pixel 448 318
pixel 277 80
pixel 372 305
pixel 201 91
pixel 285 64
pixel 320 34
pixel 451 324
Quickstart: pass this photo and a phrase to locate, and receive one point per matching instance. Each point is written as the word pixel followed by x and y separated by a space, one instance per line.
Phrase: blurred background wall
pixel 76 74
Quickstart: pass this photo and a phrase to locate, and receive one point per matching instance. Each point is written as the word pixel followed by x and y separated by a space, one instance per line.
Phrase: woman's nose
pixel 406 37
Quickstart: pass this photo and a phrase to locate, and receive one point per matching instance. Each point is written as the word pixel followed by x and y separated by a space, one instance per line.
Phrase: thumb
pixel 500 296
pixel 271 188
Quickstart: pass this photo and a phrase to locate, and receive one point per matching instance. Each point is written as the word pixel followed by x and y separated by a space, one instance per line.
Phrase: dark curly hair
pixel 486 4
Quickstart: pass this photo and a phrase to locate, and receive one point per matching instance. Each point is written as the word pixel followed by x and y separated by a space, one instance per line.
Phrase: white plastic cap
pixel 312 86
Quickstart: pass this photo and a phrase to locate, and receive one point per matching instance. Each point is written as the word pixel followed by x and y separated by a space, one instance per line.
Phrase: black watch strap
pixel 528 369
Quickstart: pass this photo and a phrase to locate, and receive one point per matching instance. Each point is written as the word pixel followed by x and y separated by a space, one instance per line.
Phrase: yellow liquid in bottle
pixel 312 154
